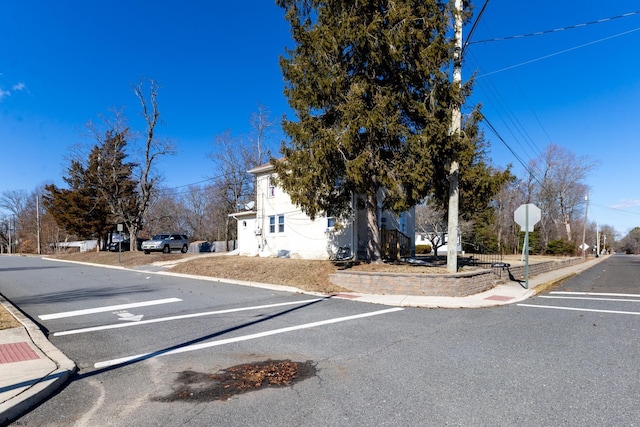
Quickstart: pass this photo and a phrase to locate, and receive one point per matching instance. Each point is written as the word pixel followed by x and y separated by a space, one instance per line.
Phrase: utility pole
pixel 10 251
pixel 584 226
pixel 456 122
pixel 38 222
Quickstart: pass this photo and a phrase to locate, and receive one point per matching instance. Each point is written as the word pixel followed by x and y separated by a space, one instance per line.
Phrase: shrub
pixel 560 247
pixel 423 249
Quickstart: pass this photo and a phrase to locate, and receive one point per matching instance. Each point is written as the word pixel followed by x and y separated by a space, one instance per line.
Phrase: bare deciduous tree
pixel 129 205
pixel 262 126
pixel 432 223
pixel 233 183
pixel 200 207
pixel 233 157
pixel 153 149
pixel 562 188
pixel 512 195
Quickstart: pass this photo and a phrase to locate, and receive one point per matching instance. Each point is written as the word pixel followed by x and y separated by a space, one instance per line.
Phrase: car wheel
pixel 146 252
pixel 184 249
pixel 166 249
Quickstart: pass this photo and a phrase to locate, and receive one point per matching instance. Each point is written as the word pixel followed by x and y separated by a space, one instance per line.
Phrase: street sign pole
pixel 526 216
pixel 120 228
pixel 526 247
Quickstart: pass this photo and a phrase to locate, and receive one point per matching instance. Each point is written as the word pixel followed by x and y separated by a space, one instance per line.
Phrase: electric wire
pixel 624 33
pixel 555 30
pixel 493 96
pixel 518 132
pixel 516 124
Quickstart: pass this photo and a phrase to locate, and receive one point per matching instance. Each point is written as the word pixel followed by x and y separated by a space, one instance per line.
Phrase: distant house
pixel 423 239
pixel 274 226
pixel 81 245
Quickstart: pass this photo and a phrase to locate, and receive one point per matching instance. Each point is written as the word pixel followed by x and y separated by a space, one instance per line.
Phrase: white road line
pixel 589 298
pixel 185 316
pixel 195 347
pixel 109 308
pixel 602 294
pixel 580 309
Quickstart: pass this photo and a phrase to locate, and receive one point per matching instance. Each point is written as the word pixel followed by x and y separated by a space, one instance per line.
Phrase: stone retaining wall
pixel 449 285
pixel 517 272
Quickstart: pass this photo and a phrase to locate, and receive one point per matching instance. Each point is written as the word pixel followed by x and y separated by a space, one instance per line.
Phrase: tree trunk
pixel 373 232
pixel 567 225
pixel 133 237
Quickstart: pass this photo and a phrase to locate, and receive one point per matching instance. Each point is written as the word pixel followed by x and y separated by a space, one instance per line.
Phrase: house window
pixel 331 222
pixel 272 224
pixel 271 191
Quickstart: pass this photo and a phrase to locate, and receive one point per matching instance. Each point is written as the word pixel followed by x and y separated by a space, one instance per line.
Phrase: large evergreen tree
pixel 369 83
pixel 112 177
pixel 78 209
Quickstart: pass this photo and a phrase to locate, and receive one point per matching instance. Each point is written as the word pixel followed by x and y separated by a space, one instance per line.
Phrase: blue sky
pixel 65 63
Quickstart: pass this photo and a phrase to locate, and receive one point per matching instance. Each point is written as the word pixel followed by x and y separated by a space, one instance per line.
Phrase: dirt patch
pixel 7 321
pixel 308 275
pixel 124 259
pixel 239 379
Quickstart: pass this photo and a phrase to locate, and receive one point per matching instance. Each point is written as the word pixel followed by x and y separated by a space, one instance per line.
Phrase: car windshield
pixel 160 237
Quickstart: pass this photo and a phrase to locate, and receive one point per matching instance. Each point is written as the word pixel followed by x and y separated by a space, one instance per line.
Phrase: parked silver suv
pixel 166 242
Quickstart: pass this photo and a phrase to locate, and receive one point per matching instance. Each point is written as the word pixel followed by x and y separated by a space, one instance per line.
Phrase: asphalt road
pixel 546 361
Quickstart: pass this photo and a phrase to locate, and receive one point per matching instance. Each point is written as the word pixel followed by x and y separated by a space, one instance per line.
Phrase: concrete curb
pixel 47 384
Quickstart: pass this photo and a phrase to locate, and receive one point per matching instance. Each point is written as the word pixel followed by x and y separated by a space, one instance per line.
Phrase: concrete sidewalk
pixel 501 294
pixel 31 368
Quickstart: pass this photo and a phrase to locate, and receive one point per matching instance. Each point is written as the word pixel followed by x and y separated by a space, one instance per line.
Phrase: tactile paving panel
pixel 16 352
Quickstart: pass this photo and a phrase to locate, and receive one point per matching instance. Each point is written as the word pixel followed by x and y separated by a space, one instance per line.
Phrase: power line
pixel 559 52
pixel 510 121
pixel 555 30
pixel 518 158
pixel 623 211
pixel 474 26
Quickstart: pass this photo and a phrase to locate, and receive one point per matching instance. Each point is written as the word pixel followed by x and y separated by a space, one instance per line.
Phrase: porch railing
pixel 487 258
pixel 395 245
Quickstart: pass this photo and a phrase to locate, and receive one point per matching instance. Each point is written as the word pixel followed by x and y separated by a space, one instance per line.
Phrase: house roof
pixel 237 215
pixel 265 167
pixel 262 168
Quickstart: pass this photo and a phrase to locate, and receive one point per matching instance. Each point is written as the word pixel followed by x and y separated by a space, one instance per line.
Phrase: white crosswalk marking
pixel 194 347
pixel 105 309
pixel 554 307
pixel 185 316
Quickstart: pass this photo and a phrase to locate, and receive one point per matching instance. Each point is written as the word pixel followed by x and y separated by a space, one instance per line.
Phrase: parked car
pixel 126 245
pixel 115 246
pixel 166 242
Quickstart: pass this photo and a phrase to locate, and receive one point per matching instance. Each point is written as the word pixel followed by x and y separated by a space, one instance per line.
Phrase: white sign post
pixel 120 228
pixel 526 216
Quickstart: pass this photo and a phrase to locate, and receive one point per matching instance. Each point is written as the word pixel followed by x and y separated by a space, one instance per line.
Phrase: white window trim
pixel 272 224
pixel 280 224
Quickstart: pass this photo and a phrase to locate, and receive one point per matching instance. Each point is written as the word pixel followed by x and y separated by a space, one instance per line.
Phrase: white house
pixel 422 239
pixel 274 226
pixel 81 245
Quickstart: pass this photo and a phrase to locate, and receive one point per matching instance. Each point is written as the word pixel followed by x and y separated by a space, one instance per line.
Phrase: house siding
pixel 259 231
pixel 301 237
